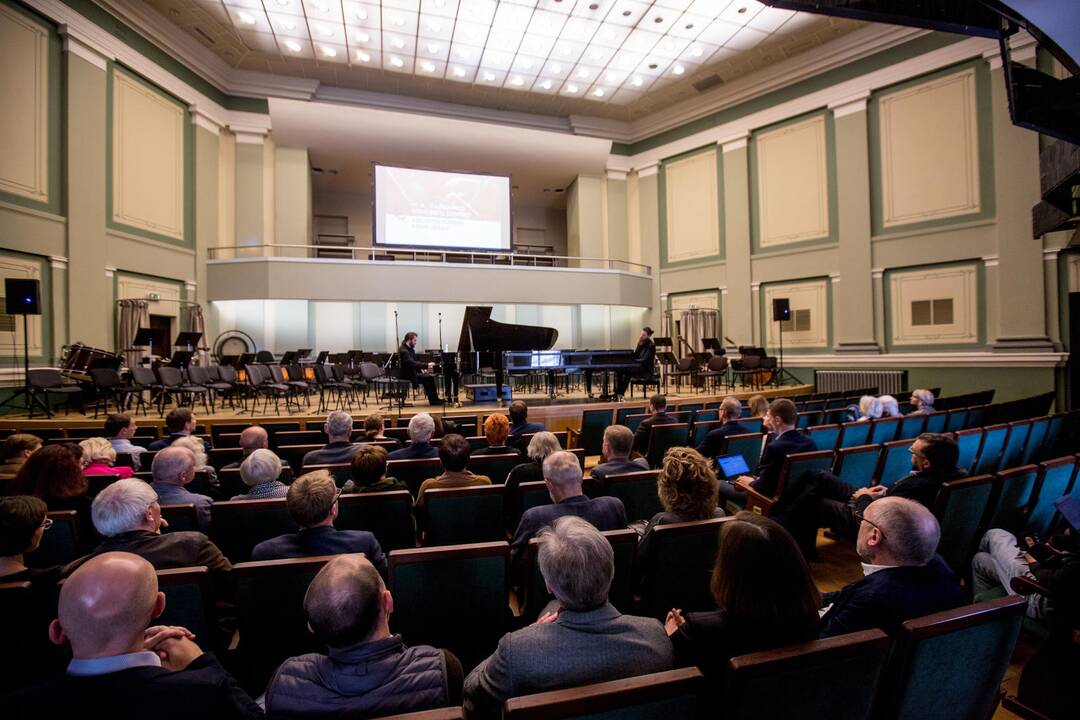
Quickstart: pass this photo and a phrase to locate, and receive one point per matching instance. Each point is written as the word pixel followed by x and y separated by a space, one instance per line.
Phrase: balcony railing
pixel 462 257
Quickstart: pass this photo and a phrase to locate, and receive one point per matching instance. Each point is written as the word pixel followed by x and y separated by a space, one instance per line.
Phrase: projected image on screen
pixel 425 208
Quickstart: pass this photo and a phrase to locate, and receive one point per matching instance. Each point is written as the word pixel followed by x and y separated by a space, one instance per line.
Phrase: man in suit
pixel 421 428
pixel 713 442
pixel 120 668
pixel 904 578
pixel 415 371
pixel 312 502
pixel 172 469
pixel 339 451
pixel 644 356
pixel 787 440
pixel 251 439
pixel 368 672
pixel 119 429
pixel 659 416
pixel 615 451
pixel 582 639
pixel 562 473
pixel 180 422
pixel 520 425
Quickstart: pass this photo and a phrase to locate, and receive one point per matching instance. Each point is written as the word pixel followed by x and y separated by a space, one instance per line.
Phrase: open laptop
pixel 730 467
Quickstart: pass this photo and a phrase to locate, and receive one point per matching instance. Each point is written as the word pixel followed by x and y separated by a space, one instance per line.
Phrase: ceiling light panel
pixel 461 73
pixel 496 60
pixel 433 50
pixel 611 35
pixel 400 44
pixel 329 52
pixel 364 57
pixel 410 5
pixel 440 8
pixel 770 19
pixel 363 14
pixel 397 62
pixel 263 42
pixel 249 19
pixel 477 11
pixel 628 12
pixel 563 7
pixel 284 25
pixel 363 38
pixel 741 11
pixel 689 25
pixel 670 47
pixel 288 7
pixel 324 10
pixel 595 9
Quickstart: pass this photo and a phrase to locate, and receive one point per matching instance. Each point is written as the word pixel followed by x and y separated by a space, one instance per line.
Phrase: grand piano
pixel 484 341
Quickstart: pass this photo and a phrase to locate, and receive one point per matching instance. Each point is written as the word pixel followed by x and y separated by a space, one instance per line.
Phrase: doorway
pixel 162 326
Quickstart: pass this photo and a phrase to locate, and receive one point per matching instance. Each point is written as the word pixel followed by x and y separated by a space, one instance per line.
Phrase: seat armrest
pixel 572 436
pixel 757 502
pixel 1028 586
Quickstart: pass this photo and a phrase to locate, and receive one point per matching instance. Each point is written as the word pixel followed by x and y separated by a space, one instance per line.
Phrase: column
pixel 740 301
pixel 755 317
pixel 207 197
pixel 993 294
pixel 649 224
pixel 877 276
pixel 292 196
pixel 1053 299
pixel 59 267
pixel 617 232
pixel 251 225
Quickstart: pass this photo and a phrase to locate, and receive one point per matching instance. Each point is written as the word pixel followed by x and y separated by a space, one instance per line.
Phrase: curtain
pixel 696 324
pixel 192 320
pixel 134 314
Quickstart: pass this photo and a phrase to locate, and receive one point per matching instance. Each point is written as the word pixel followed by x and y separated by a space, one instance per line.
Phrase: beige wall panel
pixel 11 343
pixel 1074 273
pixel 958 283
pixel 292 190
pixel 226 235
pixel 793 183
pixel 812 296
pixel 633 220
pixel 24 123
pixel 930 151
pixel 131 287
pixel 705 300
pixel 32 232
pixel 148 159
pixel 693 215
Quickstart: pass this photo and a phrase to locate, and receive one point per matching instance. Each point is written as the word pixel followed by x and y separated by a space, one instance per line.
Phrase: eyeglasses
pixel 47 524
pixel 916 453
pixel 862 518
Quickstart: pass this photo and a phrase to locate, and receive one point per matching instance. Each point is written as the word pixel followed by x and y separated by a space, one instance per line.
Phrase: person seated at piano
pixel 645 356
pixel 713 442
pixel 520 425
pixel 415 371
pixel 659 416
pixel 98 457
pixel 421 427
pixel 496 430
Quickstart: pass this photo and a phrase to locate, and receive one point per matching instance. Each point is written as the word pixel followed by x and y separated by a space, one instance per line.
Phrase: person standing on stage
pixel 413 370
pixel 645 356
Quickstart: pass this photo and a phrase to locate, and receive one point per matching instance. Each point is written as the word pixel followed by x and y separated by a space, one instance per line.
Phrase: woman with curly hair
pixel 687 489
pixel 55 474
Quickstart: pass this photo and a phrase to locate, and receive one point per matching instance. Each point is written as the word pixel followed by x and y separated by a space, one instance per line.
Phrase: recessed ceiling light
pixel 288 24
pixel 321 6
pixel 293 45
pixel 598 92
pixel 612 77
pixel 362 14
pixel 398 43
pixel 326 31
pixel 678 69
pixel 653 66
pixel 463 53
pixel 428 67
pixel 440 3
pixel 658 19
pixel 362 37
pixel 246 18
pixel 689 26
pixel 571 89
pixel 546 84
pixel 459 72
pixel 596 54
pixel 565 49
pixel 329 52
pixel 489 76
pixel 626 13
pixel 742 10
pixel 433 48
pixel 396 62
pixel 398 20
pixel 594 6
pixel 527 64
pixel 434 26
pixel 697 52
pixel 363 56
pixel 637 81
pixel 556 69
pixel 517 82
pixel 583 73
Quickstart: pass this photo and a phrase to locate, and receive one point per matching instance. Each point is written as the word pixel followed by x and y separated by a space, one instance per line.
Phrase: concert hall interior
pixel 269 210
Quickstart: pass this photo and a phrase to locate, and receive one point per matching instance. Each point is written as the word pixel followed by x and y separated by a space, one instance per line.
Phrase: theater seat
pixel 670 695
pixel 454 516
pixel 677 570
pixel 237 526
pixel 386 514
pixel 189 601
pixel 637 491
pixel 961 507
pixel 1013 492
pixel 61 544
pixel 414 472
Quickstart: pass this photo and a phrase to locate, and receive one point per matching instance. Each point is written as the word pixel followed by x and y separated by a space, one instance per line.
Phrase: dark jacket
pixel 323 540
pixel 416 451
pixel 891 596
pixel 496 450
pixel 921 486
pixel 645 354
pixel 162 443
pixel 525 428
pixel 713 443
pixel 202 690
pixel 410 366
pixel 171 550
pixel 335 453
pixel 374 679
pixel 605 513
pixel 772 460
pixel 641 436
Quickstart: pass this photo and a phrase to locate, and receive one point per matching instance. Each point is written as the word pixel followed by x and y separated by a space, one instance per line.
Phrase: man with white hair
pixel 260 472
pixel 421 428
pixel 562 473
pixel 339 450
pixel 173 468
pixel 582 639
pixel 904 578
pixel 120 667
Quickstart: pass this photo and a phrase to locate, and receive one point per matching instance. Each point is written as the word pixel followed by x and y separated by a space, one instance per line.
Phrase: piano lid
pixel 479 333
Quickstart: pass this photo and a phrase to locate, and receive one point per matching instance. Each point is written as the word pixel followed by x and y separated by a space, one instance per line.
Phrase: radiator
pixel 886 381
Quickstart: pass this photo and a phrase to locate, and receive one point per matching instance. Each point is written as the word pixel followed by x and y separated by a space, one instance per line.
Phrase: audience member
pixel 122 669
pixel 368 472
pixel 757 406
pixel 765 599
pixel 119 429
pixel 172 469
pixel 312 502
pixel 23 521
pixel 374 428
pixel 562 473
pixel 519 423
pixel 540 447
pixel 454 452
pixel 904 577
pixel 889 406
pixel 421 427
pixel 260 471
pixel 582 640
pixel 17 447
pixel 922 401
pixel 496 430
pixel 658 416
pixel 252 438
pixel 180 422
pixel 686 486
pixel 713 442
pixel 823 500
pixel 367 672
pixel 869 408
pixel 98 457
pixel 787 440
pixel 339 450
pixel 54 474
pixel 615 453
pixel 202 461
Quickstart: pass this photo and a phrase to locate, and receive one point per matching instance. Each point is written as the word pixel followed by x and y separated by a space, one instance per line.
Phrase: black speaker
pixel 22 297
pixel 781 309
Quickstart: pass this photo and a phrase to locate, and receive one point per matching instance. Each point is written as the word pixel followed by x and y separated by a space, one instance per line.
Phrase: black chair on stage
pixel 110 386
pixel 49 381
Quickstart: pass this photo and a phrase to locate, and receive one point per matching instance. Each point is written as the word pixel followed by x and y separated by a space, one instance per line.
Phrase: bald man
pixel 251 439
pixel 905 578
pixel 122 667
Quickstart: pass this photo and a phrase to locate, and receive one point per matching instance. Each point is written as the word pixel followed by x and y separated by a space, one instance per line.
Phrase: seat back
pixel 297 437
pixel 825 437
pixel 895 462
pixel 1012 454
pixel 621 413
pixel 702 416
pixel 189 600
pixel 703 428
pixel 672 695
pixel 181 518
pixel 388 515
pixel 1013 494
pixel 678 567
pixel 455 516
pixel 856 465
pixel 45 378
pixel 1055 479
pixel 994 438
pixel 593 425
pixel 1036 437
pixel 414 472
pixel 961 508
pixel 637 491
pixel 950 664
pixel 788 682
pixel 884 430
pixel 968 442
pixel 957 420
pixel 239 525
pixel 470 582
pixel 664 437
pixel 220 457
pixel 749 445
pixel 496 467
pixel 1053 433
pixel 170 377
pixel 530 495
pixel 911 426
pixel 60 544
pixel 796 468
pixel 936 421
pixel 633 421
pixel 854 433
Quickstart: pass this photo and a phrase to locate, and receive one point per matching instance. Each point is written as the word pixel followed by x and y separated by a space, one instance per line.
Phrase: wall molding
pixel 930 359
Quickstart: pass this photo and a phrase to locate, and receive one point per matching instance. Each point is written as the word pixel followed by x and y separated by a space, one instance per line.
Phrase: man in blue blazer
pixel 787 440
pixel 520 425
pixel 905 578
pixel 312 503
pixel 713 442
pixel 421 428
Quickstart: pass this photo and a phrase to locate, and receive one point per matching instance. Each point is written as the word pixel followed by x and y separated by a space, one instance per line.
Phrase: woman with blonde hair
pixel 758 405
pixel 198 448
pixel 869 408
pixel 98 457
pixel 686 486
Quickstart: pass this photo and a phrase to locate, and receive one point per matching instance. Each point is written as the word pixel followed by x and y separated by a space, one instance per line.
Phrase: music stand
pixel 146 337
pixel 247 358
pixel 323 354
pixel 289 357
pixel 229 360
pixel 713 344
pixel 662 341
pixel 181 358
pixel 188 339
pixel 303 353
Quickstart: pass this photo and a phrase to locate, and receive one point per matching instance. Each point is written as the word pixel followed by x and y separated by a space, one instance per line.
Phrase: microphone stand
pixel 442 364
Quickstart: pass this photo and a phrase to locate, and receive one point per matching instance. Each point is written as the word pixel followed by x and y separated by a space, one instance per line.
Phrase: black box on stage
pixel 22 296
pixel 486 393
pixel 781 309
